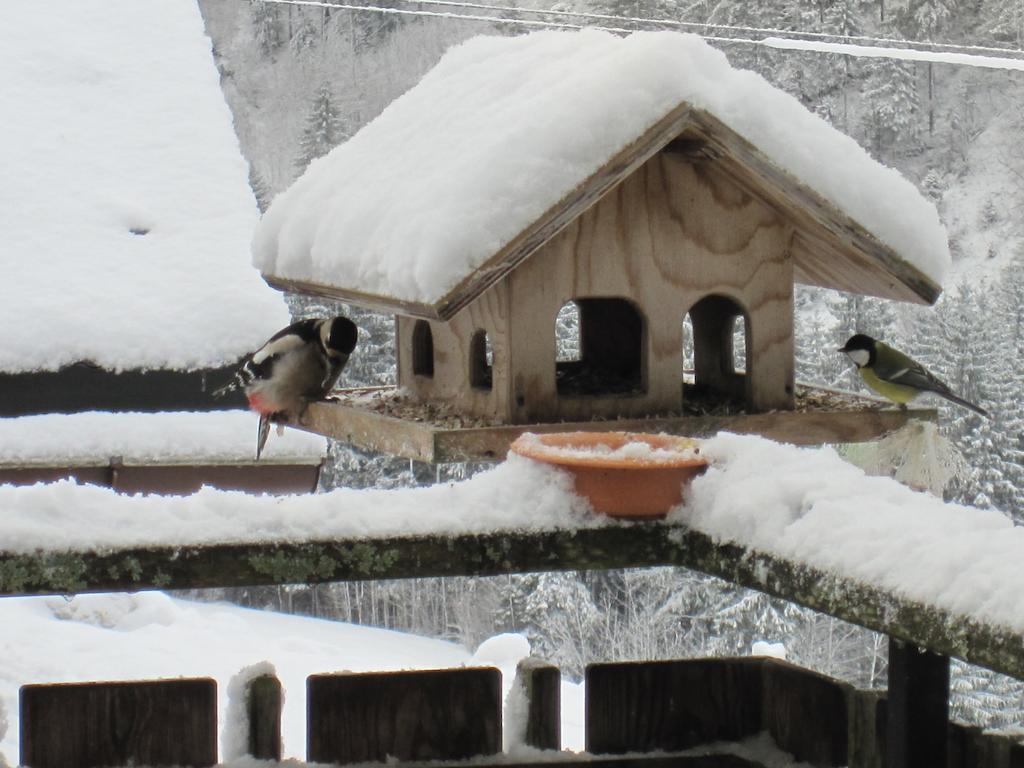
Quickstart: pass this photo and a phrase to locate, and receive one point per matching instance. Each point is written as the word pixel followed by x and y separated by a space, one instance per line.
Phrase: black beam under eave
pixel 85 387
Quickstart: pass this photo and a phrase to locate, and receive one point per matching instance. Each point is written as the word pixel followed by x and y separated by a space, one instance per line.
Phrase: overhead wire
pixel 776 39
pixel 437 14
pixel 698 25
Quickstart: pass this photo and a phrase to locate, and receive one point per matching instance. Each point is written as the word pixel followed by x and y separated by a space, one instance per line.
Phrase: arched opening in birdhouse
pixel 422 349
pixel 481 361
pixel 716 357
pixel 600 348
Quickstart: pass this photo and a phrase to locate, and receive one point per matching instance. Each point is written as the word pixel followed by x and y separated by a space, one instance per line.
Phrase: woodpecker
pixel 297 364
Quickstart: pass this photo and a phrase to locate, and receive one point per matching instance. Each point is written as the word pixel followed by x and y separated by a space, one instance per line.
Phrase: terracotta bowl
pixel 622 474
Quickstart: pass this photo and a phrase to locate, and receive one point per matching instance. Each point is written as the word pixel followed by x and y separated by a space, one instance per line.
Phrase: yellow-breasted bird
pixel 896 376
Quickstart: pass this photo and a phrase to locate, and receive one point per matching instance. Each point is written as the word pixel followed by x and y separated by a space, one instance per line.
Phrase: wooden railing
pixel 922 637
pixel 209 565
pixel 638 715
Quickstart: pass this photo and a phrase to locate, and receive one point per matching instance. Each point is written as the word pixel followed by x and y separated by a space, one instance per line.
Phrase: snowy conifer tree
pixel 324 129
pixel 1004 20
pixel 928 18
pixel 815 339
pixel 890 94
pixel 260 189
pixel 305 31
pixel 268 31
pixel 737 617
pixel 966 348
pixel 561 618
pixel 1006 382
pixel 984 698
pixel 933 186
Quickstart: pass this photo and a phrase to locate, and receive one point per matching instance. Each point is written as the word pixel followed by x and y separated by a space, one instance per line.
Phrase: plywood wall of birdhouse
pixel 672 233
pixel 452 358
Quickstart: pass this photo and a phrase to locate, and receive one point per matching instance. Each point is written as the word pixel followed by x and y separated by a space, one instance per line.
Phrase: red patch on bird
pixel 260 404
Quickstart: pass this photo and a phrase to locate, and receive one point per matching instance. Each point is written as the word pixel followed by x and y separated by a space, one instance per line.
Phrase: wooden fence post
pixel 918 707
pixel 671 705
pixel 542 684
pixel 866 736
pixel 1016 757
pixel 263 702
pixel 805 713
pixel 153 723
pixel 449 714
pixel 971 747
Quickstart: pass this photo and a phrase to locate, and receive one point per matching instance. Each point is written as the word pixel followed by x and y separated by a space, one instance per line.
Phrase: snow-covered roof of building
pixel 168 438
pixel 426 203
pixel 125 206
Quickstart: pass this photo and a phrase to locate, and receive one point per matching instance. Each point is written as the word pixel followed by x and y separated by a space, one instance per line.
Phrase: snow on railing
pixel 800 524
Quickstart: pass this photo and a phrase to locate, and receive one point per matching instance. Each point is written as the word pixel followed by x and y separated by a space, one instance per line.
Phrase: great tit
pixel 894 375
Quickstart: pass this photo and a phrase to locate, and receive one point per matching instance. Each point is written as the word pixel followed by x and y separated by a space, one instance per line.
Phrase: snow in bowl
pixel 622 474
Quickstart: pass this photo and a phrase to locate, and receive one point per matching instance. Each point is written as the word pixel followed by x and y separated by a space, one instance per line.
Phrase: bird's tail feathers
pixel 966 404
pixel 263 434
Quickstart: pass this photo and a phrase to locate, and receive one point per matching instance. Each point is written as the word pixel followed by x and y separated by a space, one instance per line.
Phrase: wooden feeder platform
pixel 388 420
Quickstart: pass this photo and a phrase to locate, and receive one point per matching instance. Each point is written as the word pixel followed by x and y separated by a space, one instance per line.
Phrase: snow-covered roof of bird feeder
pixel 508 139
pixel 127 210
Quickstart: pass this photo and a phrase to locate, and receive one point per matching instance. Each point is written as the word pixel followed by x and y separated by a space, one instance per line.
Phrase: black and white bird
pixel 297 364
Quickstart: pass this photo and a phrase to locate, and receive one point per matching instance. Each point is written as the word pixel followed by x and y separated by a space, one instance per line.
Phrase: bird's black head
pixel 860 343
pixel 341 336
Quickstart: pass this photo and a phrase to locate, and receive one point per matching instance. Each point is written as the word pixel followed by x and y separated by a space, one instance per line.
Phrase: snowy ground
pixel 151 635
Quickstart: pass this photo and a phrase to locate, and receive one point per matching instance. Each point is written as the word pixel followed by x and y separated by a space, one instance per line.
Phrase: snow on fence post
pixel 253 721
pixel 539 684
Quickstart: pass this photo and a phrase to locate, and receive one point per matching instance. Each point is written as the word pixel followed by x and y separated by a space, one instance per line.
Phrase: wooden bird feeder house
pixel 687 217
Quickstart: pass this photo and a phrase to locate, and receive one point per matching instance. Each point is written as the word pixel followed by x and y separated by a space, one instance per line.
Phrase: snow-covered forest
pixel 301 79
